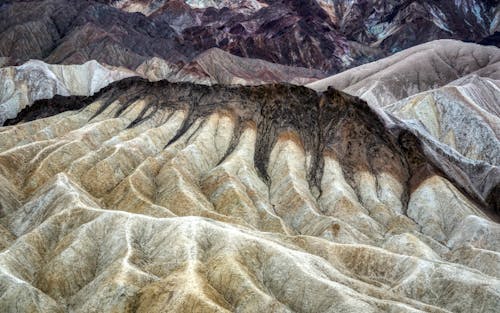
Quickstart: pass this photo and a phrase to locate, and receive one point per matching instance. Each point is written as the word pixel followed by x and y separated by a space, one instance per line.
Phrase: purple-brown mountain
pixel 326 35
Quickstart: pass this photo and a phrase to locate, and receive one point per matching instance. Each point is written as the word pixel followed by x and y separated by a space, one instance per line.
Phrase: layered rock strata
pixel 154 197
pixel 216 66
pixel 447 91
pixel 20 86
pixel 326 35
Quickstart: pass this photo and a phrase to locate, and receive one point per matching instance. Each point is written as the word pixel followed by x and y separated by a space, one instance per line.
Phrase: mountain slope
pixel 216 66
pixel 414 70
pixel 182 197
pixel 448 91
pixel 329 36
pixel 196 173
pixel 463 115
pixel 35 80
pixel 397 25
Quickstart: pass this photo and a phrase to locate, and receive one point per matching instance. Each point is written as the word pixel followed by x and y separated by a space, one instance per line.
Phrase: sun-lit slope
pixel 21 85
pixel 424 67
pixel 160 197
pixel 216 66
pixel 463 115
pixel 448 91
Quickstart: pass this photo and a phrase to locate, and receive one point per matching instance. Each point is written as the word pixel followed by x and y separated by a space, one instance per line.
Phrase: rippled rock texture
pixel 396 25
pixel 22 85
pixel 216 66
pixel 161 197
pixel 447 91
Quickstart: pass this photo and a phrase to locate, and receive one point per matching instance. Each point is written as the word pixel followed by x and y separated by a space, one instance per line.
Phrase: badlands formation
pixel 177 197
pixel 326 35
pixel 155 172
pixel 35 80
pixel 447 91
pixel 216 66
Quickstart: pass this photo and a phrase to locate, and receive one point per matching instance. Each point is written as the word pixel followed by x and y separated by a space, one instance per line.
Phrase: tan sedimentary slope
pixel 216 66
pixel 158 197
pixel 448 91
pixel 424 67
pixel 21 85
pixel 463 115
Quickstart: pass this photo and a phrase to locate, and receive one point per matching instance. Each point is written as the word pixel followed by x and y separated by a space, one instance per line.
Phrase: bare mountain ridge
pixel 216 66
pixel 178 197
pixel 34 80
pixel 198 194
pixel 479 142
pixel 328 36
pixel 448 90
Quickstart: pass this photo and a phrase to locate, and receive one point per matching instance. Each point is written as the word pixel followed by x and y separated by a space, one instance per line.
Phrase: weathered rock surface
pixel 35 80
pixel 399 25
pixel 326 35
pixel 161 197
pixel 216 66
pixel 148 7
pixel 448 91
pixel 463 115
pixel 421 68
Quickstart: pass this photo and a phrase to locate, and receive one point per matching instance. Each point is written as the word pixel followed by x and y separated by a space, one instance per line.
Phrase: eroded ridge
pixel 159 197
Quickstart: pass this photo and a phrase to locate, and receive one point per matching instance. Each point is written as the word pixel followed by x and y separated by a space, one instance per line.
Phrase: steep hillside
pixel 215 156
pixel 20 86
pixel 448 90
pixel 216 66
pixel 181 197
pixel 325 35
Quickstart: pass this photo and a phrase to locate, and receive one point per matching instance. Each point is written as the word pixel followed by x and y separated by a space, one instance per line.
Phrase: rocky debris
pixel 219 199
